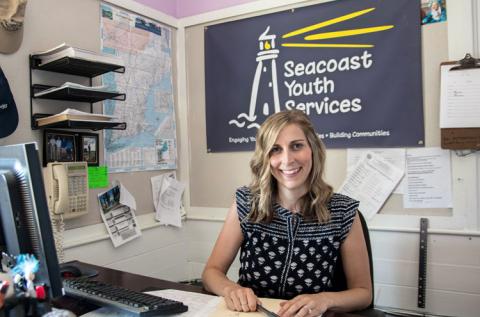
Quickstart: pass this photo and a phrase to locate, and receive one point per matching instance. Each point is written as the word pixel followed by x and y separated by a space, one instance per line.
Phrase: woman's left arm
pixel 357 272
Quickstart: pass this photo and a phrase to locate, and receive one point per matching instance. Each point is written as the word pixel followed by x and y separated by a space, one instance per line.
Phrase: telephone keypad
pixel 77 184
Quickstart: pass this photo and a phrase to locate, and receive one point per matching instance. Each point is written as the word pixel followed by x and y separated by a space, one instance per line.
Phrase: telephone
pixel 67 189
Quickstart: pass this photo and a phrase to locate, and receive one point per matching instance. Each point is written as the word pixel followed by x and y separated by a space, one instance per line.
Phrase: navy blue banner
pixel 354 66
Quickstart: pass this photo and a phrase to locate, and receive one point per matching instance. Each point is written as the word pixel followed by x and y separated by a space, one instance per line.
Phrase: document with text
pixel 199 305
pixel 167 199
pixel 371 182
pixel 459 98
pixel 396 156
pixel 428 176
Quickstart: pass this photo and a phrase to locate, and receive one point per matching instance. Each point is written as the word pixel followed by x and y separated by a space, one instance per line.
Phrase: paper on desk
pixel 199 305
pixel 459 98
pixel 168 206
pixel 117 209
pixel 371 182
pixel 395 156
pixel 272 304
pixel 428 179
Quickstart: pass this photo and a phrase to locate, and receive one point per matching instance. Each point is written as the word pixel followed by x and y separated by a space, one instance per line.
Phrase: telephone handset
pixel 67 188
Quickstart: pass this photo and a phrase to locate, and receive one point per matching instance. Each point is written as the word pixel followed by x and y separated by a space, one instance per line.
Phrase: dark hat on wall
pixel 12 13
pixel 8 109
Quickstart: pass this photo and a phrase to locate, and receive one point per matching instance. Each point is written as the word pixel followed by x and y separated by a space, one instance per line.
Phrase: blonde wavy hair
pixel 264 186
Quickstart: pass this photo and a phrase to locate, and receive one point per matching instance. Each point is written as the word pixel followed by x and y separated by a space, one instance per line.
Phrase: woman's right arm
pixel 214 275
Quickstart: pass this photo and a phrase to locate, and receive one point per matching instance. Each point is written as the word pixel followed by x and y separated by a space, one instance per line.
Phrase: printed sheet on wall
pixel 354 66
pixel 144 45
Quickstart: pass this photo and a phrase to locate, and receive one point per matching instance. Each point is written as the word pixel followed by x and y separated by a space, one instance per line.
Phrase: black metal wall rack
pixel 78 67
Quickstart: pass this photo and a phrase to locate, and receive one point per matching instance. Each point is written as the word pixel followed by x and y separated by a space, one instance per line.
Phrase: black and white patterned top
pixel 290 255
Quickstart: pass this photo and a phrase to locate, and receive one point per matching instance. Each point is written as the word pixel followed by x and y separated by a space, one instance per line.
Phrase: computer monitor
pixel 25 220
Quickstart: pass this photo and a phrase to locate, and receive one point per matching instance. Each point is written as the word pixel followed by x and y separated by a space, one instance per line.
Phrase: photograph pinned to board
pixel 371 183
pixel 433 11
pixel 167 199
pixel 117 209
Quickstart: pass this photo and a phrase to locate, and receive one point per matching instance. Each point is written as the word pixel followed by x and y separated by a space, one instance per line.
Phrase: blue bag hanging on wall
pixel 8 109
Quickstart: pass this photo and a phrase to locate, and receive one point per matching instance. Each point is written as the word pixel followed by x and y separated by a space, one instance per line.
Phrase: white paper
pixel 64 50
pixel 101 88
pixel 199 305
pixel 459 98
pixel 428 179
pixel 371 182
pixel 395 156
pixel 169 202
pixel 82 113
pixel 53 50
pixel 117 209
pixel 126 198
pixel 157 182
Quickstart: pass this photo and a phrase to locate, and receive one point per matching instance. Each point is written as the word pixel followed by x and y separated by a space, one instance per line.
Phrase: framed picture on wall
pixel 433 11
pixel 88 148
pixel 59 146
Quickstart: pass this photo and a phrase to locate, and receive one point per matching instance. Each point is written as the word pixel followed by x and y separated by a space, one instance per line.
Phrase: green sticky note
pixel 97 176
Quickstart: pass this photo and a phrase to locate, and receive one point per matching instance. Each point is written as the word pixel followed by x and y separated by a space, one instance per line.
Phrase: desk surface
pixel 142 283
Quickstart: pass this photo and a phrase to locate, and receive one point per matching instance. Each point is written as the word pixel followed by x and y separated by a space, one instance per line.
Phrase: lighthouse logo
pixel 266 79
pixel 265 73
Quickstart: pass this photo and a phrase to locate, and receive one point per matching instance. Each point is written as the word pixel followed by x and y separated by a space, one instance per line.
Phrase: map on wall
pixel 144 45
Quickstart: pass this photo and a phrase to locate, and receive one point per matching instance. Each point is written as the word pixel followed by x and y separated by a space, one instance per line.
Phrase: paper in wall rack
pixel 74 118
pixel 76 92
pixel 75 61
pixel 460 104
pixel 66 59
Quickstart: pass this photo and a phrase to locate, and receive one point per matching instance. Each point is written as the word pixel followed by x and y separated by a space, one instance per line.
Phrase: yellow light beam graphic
pixel 327 23
pixel 344 33
pixel 314 45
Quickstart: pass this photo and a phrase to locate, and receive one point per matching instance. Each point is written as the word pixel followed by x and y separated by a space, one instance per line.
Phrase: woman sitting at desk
pixel 291 228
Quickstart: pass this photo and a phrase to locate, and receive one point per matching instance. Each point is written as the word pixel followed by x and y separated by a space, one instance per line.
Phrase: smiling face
pixel 291 160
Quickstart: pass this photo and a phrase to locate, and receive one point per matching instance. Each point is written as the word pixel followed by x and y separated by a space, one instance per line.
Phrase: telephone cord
pixel 58 226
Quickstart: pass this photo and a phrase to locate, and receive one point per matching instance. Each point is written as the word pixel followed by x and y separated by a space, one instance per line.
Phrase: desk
pixel 144 283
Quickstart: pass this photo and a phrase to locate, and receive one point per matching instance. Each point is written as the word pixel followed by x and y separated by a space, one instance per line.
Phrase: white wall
pixel 160 252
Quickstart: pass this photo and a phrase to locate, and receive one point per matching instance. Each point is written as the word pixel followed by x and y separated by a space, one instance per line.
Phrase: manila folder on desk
pixel 271 304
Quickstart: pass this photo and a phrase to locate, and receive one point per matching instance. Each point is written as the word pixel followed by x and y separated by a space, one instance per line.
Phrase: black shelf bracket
pixel 78 67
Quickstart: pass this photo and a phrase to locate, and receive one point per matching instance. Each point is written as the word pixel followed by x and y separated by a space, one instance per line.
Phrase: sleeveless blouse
pixel 290 255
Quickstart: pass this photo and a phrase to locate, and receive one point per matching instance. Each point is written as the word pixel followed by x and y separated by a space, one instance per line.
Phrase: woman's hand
pixel 307 305
pixel 240 298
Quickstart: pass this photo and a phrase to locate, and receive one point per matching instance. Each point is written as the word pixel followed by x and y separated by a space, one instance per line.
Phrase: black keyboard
pixel 138 303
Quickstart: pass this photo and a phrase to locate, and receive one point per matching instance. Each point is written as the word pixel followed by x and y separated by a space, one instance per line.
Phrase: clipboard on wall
pixel 460 104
